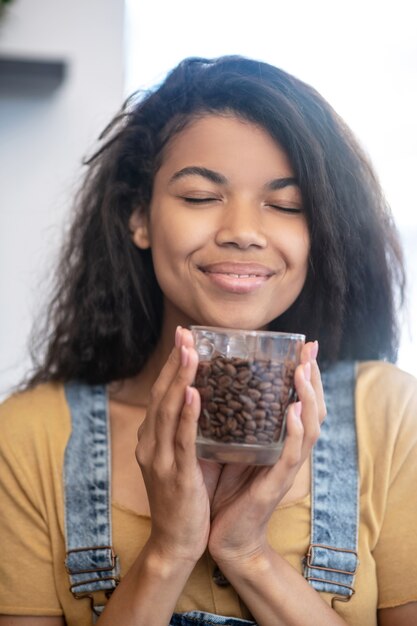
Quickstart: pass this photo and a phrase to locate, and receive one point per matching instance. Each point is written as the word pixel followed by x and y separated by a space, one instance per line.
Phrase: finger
pixel 147 430
pixel 309 413
pixel 168 371
pixel 167 416
pixel 185 450
pixel 318 389
pixel 309 355
pixel 291 453
pixel 187 339
pixel 290 460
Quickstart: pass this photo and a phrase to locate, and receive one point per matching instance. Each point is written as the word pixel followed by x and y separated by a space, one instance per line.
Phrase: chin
pixel 236 321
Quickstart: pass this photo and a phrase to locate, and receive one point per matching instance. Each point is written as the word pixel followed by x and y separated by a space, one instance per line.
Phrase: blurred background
pixel 66 67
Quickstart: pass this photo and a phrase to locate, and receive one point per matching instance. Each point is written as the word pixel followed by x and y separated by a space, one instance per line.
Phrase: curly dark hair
pixel 106 313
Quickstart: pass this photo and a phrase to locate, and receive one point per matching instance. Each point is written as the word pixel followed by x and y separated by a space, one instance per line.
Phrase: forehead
pixel 228 144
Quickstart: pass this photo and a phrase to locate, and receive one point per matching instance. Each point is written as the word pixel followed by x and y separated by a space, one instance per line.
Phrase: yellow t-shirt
pixel 34 429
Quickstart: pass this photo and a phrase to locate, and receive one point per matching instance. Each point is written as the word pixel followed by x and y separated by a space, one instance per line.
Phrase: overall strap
pixel 90 560
pixel 332 559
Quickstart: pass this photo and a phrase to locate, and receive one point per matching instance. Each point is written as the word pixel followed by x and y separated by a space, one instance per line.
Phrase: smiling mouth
pixel 233 278
pixel 237 275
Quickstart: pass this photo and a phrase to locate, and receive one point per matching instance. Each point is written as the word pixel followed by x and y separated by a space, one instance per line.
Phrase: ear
pixel 139 229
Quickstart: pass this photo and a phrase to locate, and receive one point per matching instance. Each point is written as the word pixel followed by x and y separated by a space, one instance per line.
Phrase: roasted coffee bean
pixel 243 401
pixel 230 369
pixel 226 410
pixel 265 385
pixel 244 375
pixel 236 406
pixel 247 403
pixel 246 415
pixel 225 381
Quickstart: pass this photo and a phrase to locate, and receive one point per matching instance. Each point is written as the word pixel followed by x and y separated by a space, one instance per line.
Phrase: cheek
pixel 177 237
pixel 305 252
pixel 296 249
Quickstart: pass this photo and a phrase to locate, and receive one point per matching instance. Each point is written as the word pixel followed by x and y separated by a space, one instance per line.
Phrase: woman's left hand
pixel 246 496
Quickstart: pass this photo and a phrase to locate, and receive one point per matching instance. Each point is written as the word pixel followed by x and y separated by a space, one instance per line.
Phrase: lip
pixel 239 278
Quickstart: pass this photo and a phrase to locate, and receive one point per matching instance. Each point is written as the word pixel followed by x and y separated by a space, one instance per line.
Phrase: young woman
pixel 232 195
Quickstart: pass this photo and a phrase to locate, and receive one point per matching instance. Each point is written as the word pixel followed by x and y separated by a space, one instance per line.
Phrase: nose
pixel 241 226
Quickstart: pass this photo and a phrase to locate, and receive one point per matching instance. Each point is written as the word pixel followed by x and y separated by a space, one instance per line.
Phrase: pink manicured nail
pixel 178 336
pixel 188 395
pixel 314 350
pixel 307 371
pixel 184 356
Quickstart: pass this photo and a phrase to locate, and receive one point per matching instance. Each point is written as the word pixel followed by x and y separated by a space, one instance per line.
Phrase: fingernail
pixel 184 356
pixel 314 350
pixel 178 336
pixel 188 395
pixel 307 371
pixel 297 409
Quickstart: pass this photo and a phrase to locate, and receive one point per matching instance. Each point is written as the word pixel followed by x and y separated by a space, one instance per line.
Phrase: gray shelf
pixel 20 75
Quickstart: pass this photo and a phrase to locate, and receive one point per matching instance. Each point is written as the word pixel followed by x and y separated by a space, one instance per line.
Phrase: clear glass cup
pixel 246 383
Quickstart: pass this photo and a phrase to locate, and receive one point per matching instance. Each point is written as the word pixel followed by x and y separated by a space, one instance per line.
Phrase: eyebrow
pixel 219 179
pixel 194 170
pixel 280 183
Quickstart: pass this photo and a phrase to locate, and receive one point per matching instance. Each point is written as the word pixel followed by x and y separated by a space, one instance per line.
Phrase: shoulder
pixel 35 426
pixel 35 415
pixel 385 378
pixel 384 390
pixel 386 413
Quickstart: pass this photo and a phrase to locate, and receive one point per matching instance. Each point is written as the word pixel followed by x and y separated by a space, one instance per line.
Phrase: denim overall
pixel 331 560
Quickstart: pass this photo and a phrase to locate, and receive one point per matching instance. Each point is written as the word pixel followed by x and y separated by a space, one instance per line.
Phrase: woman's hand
pixel 179 497
pixel 246 496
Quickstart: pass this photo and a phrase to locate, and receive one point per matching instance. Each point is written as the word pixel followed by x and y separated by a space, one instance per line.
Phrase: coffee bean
pixel 265 385
pixel 231 424
pixel 254 394
pixel 247 403
pixel 243 401
pixel 224 409
pixel 263 436
pixel 244 375
pixel 230 369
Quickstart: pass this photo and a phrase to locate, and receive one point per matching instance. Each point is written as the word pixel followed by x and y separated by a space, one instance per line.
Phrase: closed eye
pixel 198 200
pixel 285 209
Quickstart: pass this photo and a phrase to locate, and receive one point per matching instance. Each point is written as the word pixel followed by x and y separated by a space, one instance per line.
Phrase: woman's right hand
pixel 179 494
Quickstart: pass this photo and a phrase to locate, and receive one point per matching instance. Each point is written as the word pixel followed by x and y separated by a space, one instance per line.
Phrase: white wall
pixel 43 139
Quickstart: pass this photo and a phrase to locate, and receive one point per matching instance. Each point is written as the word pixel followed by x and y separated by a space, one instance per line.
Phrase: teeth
pixel 242 275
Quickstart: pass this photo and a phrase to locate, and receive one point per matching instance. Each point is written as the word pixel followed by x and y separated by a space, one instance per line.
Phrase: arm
pixel 399 615
pixel 178 498
pixel 27 533
pixel 395 550
pixel 244 500
pixel 27 620
pixel 276 594
pixel 149 591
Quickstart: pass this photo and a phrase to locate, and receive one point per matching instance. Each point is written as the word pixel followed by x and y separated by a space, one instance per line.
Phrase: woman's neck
pixel 135 391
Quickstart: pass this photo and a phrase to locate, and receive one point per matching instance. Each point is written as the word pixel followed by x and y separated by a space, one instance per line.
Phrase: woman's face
pixel 227 231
